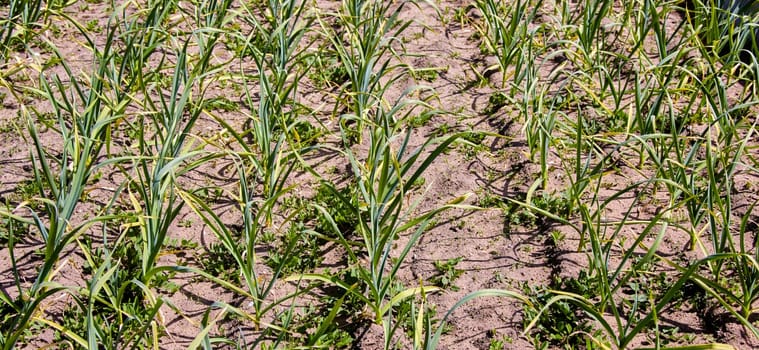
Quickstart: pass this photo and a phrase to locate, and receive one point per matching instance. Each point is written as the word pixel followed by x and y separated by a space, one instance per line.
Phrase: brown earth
pixel 495 254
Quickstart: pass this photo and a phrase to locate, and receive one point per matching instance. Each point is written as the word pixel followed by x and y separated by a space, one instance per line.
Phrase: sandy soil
pixel 495 252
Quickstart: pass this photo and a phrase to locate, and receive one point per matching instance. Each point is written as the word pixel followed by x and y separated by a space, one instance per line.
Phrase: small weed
pixel 332 336
pixel 339 211
pixel 218 262
pixel 9 126
pixel 560 325
pixel 496 342
pixel 447 273
pixel 93 26
pixel 584 284
pixel 309 250
pixel 8 312
pixel 418 183
pixel 210 194
pixel 486 199
pixel 27 191
pixel 557 236
pixel 521 216
pixel 443 130
pixel 427 74
pixel 10 227
pixel 180 244
pixel 474 144
pixel 221 103
pixel 496 101
pixel 305 133
pixel 474 137
pixel 672 335
pixel 326 70
pixel 420 120
pixel 461 15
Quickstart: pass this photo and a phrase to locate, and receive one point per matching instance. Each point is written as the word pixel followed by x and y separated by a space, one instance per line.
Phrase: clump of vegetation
pixel 542 211
pixel 447 273
pixel 558 325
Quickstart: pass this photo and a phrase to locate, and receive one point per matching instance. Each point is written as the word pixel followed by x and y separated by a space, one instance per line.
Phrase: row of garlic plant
pixel 142 44
pixel 385 174
pixel 697 169
pixel 88 110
